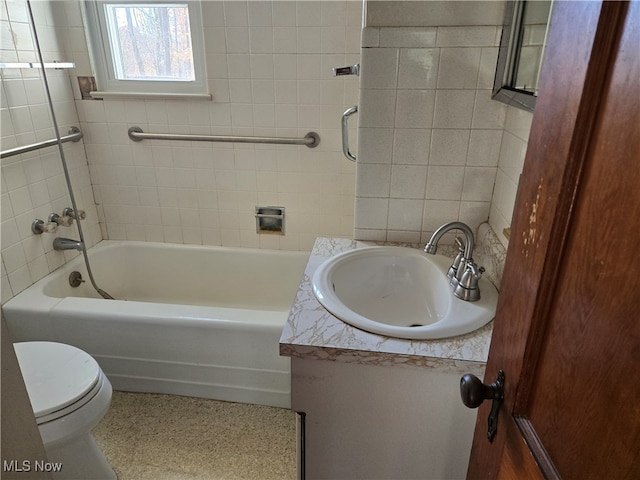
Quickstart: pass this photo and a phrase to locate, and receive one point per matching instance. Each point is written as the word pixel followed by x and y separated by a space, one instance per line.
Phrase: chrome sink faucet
pixel 463 274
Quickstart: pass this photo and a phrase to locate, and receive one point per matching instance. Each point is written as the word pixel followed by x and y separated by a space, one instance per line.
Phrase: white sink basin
pixel 399 292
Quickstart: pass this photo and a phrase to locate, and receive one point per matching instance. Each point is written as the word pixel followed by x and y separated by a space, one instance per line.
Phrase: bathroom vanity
pixel 374 406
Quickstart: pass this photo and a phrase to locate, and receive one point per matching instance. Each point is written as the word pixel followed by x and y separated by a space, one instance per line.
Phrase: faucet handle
pixel 467 286
pixel 62 221
pixel 471 275
pixel 72 213
pixel 453 269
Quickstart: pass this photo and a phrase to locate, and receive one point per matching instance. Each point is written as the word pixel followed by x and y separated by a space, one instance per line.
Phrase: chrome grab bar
pixel 311 139
pixel 74 136
pixel 55 65
pixel 345 132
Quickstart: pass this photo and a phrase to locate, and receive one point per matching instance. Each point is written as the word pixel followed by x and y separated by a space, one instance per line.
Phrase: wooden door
pixel 567 329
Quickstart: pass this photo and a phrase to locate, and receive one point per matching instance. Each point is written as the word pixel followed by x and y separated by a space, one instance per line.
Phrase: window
pixel 147 47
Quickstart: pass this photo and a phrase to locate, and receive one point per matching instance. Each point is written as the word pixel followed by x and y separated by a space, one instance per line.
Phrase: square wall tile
pixel 454 108
pixel 237 39
pixel 375 145
pixel 418 68
pixel 438 212
pixel 371 213
pixel 484 148
pixel 370 37
pixel 285 40
pixel 334 13
pixel 215 39
pixel 261 39
pixel 284 13
pixel 411 146
pixel 444 183
pixel 405 214
pixel 414 108
pixel 374 180
pixel 334 40
pixel 408 181
pixel 478 184
pixel 239 65
pixel 377 108
pixel 236 13
pixel 459 67
pixel 474 213
pixel 309 40
pixel 379 68
pixel 259 13
pixel 309 13
pixel 449 146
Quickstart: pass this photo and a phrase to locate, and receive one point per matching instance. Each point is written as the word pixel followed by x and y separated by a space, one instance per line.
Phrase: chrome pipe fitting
pixel 61 243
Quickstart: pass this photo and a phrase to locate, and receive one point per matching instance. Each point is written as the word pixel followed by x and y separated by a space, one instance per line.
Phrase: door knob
pixel 473 392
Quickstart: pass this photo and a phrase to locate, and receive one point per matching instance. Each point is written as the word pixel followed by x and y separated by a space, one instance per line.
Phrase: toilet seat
pixel 59 378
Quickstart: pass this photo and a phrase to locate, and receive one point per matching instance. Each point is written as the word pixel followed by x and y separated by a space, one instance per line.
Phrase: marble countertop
pixel 312 332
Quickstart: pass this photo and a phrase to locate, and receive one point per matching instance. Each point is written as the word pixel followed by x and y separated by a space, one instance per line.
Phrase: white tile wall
pixel 429 89
pixel 269 76
pixel 456 154
pixel 269 67
pixel 33 184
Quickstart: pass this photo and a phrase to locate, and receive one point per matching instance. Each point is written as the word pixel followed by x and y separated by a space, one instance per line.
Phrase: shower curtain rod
pixel 74 136
pixel 311 139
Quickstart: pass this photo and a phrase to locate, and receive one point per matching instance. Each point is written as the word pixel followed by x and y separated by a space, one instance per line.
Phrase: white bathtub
pixel 188 320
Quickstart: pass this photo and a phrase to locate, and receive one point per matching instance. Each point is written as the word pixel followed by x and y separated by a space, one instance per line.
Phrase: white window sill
pixel 156 96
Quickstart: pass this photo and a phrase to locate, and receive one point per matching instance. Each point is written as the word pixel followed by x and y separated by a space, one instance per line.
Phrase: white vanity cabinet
pixel 376 407
pixel 380 422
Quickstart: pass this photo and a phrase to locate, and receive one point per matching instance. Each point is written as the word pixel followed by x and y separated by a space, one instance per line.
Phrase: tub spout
pixel 60 243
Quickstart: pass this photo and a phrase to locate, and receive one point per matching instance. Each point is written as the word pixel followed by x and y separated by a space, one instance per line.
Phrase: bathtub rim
pixel 46 302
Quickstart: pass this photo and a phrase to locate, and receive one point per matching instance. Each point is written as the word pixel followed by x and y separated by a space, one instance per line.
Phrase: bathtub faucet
pixel 463 274
pixel 60 243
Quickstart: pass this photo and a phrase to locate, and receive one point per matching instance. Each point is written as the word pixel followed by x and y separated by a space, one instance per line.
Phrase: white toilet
pixel 69 394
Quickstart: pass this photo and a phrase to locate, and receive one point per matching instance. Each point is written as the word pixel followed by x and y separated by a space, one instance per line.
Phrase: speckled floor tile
pixel 166 437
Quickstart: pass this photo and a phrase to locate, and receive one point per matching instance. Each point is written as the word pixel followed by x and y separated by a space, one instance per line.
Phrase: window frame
pixel 102 58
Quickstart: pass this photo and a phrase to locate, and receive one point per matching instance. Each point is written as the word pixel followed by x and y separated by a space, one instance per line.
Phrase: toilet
pixel 69 394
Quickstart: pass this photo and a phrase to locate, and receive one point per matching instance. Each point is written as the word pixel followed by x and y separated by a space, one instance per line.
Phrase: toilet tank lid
pixel 55 374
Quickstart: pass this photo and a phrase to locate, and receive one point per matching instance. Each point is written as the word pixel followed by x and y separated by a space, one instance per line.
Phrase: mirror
pixel 524 36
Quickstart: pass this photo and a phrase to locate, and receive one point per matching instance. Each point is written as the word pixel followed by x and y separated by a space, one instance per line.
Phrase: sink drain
pixel 416 325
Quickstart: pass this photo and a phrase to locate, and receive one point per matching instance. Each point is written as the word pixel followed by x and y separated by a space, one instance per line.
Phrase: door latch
pixel 473 392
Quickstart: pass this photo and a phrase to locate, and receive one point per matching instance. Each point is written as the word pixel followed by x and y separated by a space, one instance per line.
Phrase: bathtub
pixel 188 320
